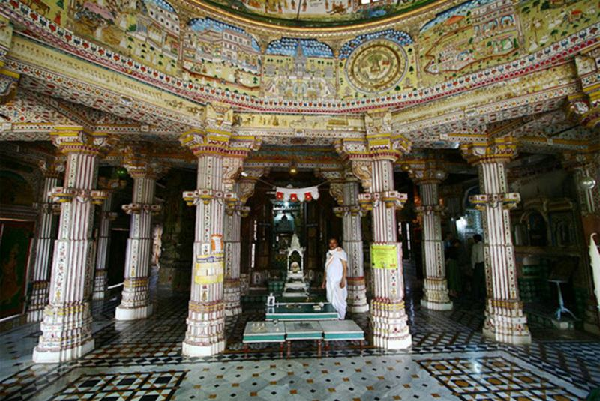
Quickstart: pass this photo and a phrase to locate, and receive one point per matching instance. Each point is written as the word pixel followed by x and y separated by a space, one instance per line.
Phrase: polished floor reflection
pixel 142 360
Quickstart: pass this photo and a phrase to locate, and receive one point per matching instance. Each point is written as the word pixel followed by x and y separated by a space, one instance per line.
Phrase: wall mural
pixel 314 13
pixel 474 35
pixel 377 63
pixel 145 30
pixel 302 69
pixel 215 53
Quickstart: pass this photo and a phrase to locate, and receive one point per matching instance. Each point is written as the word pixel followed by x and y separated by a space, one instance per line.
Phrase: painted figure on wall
pixel 146 30
pixel 215 52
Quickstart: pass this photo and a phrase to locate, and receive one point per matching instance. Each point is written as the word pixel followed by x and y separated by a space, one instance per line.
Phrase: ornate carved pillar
pixel 372 162
pixel 135 296
pixel 427 173
pixel 232 237
pixel 205 333
pixel 346 194
pixel 66 328
pixel 106 217
pixel 44 241
pixel 504 317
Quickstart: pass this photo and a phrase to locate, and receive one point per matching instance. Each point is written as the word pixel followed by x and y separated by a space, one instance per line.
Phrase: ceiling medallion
pixel 376 66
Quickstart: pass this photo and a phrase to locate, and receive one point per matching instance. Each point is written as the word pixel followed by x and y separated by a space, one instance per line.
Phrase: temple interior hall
pixel 299 199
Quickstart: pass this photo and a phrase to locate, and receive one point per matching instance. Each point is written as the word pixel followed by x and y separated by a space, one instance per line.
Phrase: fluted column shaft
pixel 106 217
pixel 43 245
pixel 390 329
pixel 504 320
pixel 205 333
pixel 66 328
pixel 436 286
pixel 357 290
pixel 135 297
pixel 233 254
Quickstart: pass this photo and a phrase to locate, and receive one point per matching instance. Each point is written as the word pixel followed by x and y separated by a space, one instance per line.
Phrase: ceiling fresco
pixel 458 46
pixel 317 13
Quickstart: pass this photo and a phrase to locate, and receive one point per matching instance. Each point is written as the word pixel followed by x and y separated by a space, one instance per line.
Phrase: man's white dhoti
pixel 334 269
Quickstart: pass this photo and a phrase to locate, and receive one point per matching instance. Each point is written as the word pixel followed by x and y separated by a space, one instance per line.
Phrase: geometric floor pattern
pixel 449 360
pixel 123 387
pixel 494 378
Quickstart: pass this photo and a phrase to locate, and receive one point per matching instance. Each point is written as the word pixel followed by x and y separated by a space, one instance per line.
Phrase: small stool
pixel 561 305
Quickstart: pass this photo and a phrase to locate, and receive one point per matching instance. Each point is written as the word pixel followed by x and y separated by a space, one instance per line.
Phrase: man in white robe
pixel 334 280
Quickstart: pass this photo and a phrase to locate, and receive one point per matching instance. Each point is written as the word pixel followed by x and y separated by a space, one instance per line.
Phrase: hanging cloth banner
pixel 297 194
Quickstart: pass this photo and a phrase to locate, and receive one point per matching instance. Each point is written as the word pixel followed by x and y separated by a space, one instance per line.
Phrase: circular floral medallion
pixel 376 66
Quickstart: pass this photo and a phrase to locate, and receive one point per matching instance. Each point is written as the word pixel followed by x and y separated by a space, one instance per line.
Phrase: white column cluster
pixel 106 217
pixel 205 333
pixel 353 244
pixel 504 317
pixel 135 303
pixel 43 243
pixel 436 286
pixel 66 328
pixel 390 329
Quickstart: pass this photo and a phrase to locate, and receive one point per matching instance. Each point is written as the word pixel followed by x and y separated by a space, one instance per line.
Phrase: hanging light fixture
pixel 293 168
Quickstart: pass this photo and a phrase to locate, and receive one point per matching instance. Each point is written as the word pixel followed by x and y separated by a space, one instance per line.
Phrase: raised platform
pixel 301 311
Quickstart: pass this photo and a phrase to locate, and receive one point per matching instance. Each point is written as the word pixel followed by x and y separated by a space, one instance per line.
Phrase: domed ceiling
pixel 317 13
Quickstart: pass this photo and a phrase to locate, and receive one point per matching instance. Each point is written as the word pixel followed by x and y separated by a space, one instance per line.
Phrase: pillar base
pixel 123 313
pixel 99 285
pixel 233 310
pixel 505 322
pixel 523 338
pixel 436 305
pixel 34 316
pixel 388 343
pixel 358 308
pixel 390 330
pixel 192 350
pixel 357 295
pixel 64 355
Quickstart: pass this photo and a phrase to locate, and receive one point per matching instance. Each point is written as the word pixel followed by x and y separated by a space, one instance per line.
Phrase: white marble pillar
pixel 43 245
pixel 353 245
pixel 436 286
pixel 390 329
pixel 504 317
pixel 66 328
pixel 233 254
pixel 205 333
pixel 106 217
pixel 135 296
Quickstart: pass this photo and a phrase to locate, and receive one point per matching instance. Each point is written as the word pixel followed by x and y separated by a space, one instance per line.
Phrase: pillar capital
pixel 141 163
pixel 52 167
pixel 497 150
pixel 248 183
pixel 78 140
pixel 425 169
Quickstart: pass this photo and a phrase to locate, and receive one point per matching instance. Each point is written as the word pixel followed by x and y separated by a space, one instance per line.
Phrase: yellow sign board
pixel 384 256
pixel 209 269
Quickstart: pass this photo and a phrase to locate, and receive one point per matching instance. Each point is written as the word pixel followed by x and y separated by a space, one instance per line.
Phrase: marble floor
pixel 449 360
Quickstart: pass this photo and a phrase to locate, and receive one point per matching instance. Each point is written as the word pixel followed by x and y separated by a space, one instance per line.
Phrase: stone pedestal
pixel 43 243
pixel 66 328
pixel 135 296
pixel 504 317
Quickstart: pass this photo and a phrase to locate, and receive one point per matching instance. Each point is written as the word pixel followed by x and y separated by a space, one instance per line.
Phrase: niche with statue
pixel 295 284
